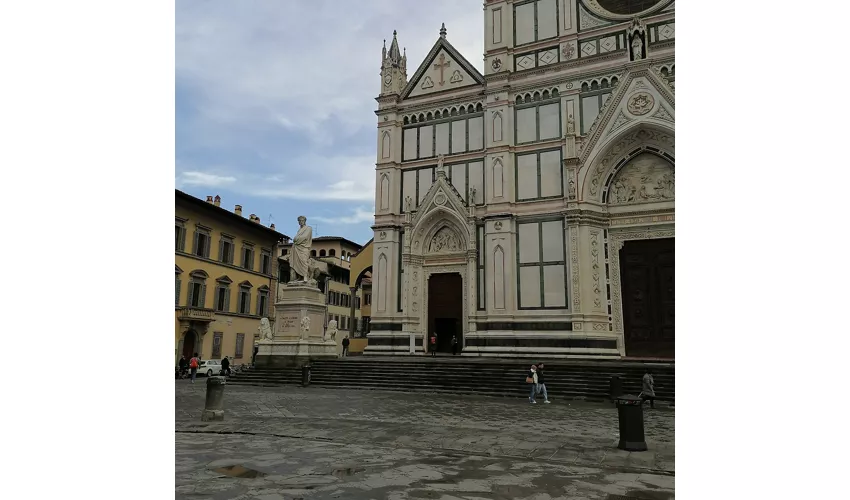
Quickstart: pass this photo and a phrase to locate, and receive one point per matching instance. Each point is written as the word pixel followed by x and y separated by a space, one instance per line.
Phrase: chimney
pixel 254 218
pixel 238 210
pixel 272 226
pixel 217 201
pixel 209 199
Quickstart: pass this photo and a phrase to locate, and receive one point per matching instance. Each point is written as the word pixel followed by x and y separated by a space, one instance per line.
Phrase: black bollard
pixel 630 415
pixel 214 406
pixel 305 375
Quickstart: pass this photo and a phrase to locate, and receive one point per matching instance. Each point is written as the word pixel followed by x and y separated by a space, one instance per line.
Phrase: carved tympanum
pixel 645 178
pixel 444 241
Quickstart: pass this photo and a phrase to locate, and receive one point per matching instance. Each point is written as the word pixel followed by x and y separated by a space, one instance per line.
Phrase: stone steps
pixel 587 380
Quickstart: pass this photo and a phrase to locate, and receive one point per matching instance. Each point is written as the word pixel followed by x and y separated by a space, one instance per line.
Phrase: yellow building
pixel 343 303
pixel 360 278
pixel 226 278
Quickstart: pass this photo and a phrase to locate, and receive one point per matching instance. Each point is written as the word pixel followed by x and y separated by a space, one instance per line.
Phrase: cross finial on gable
pixel 443 31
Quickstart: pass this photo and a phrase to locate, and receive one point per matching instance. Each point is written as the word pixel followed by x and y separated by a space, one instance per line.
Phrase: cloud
pixel 250 65
pixel 284 94
pixel 204 179
pixel 359 216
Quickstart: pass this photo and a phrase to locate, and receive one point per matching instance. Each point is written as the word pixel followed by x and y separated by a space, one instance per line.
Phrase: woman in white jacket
pixel 531 378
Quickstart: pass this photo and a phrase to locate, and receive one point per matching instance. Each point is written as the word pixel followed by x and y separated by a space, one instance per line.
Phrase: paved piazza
pixel 317 443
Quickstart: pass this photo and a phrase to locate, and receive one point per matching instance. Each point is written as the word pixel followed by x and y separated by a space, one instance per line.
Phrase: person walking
pixel 225 367
pixel 541 383
pixel 531 379
pixel 454 344
pixel 345 344
pixel 434 345
pixel 184 366
pixel 194 363
pixel 648 389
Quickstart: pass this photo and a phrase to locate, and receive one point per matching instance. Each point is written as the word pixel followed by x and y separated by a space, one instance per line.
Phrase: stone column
pixel 352 323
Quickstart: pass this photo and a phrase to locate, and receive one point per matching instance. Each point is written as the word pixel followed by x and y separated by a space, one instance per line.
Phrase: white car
pixel 209 367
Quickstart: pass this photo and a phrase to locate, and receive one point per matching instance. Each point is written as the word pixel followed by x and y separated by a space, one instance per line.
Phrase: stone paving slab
pixel 291 469
pixel 471 442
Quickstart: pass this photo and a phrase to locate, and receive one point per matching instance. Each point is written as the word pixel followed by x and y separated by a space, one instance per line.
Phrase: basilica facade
pixel 529 210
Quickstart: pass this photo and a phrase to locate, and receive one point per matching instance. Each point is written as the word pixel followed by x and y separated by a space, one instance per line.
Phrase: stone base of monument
pixel 299 334
pixel 212 415
pixel 286 354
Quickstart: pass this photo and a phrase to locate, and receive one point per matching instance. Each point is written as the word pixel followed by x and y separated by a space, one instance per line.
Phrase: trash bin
pixel 305 375
pixel 615 388
pixel 630 415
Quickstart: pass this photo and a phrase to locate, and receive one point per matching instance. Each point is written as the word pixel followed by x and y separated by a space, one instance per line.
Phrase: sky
pixel 275 101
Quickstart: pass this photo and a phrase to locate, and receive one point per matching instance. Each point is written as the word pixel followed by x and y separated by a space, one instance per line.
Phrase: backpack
pixel 433 340
pixel 193 363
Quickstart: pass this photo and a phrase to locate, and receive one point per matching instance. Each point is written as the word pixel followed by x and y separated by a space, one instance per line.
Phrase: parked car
pixel 209 367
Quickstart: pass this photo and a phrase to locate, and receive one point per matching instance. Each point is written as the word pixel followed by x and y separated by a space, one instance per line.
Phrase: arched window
pixel 332 252
pixel 312 253
pixel 322 253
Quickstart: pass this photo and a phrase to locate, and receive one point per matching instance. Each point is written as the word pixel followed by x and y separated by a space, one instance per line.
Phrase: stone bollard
pixel 213 409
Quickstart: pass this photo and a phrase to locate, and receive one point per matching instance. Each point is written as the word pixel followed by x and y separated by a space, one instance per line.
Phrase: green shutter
pixel 203 295
pixel 177 293
pixel 182 239
pixel 227 299
pixel 195 244
pixel 221 250
pixel 191 293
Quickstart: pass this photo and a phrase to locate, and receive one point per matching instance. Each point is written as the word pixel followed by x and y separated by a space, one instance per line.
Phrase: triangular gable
pixel 457 72
pixel 642 96
pixel 441 195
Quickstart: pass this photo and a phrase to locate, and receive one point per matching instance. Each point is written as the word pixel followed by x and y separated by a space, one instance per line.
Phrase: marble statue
pixel 299 255
pixel 265 329
pixel 330 333
pixel 305 326
pixel 571 126
pixel 440 166
pixel 637 48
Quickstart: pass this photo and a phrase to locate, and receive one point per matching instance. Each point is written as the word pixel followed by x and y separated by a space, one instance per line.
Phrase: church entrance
pixel 445 310
pixel 189 344
pixel 648 277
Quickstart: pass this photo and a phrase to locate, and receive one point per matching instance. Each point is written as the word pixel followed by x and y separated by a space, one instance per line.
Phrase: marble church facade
pixel 529 210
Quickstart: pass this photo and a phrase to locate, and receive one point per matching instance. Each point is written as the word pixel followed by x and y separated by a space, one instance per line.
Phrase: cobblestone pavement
pixel 413 446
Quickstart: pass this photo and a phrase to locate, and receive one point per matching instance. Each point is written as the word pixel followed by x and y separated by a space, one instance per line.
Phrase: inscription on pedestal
pixel 288 323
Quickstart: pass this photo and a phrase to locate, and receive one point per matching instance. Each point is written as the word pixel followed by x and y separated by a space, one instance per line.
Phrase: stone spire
pixel 395 54
pixel 393 68
pixel 443 31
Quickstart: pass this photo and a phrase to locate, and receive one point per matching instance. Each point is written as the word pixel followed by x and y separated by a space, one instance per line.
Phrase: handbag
pixel 529 380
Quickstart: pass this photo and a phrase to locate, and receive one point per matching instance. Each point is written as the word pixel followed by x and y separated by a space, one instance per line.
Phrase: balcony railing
pixel 195 314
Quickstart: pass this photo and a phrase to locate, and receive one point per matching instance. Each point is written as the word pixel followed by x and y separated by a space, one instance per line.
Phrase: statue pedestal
pixel 299 329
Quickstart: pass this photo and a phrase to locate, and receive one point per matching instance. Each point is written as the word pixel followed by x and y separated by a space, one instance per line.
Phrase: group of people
pixel 433 344
pixel 538 385
pixel 190 366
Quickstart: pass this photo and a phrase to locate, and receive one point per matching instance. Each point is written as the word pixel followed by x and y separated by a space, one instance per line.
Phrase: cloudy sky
pixel 275 100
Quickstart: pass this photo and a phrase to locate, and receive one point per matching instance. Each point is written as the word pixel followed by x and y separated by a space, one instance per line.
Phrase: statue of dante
pixel 299 259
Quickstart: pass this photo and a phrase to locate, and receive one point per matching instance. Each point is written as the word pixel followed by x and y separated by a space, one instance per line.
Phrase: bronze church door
pixel 647 272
